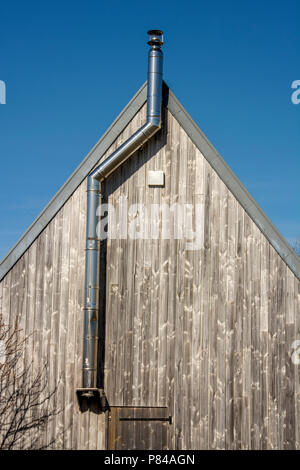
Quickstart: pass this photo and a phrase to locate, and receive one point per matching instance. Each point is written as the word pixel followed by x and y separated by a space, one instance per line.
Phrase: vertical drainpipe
pixel 89 390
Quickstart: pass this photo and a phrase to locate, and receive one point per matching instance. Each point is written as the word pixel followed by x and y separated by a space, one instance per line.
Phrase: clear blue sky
pixel 71 66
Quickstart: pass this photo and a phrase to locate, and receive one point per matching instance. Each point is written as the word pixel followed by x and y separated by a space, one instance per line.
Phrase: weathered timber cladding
pixel 205 333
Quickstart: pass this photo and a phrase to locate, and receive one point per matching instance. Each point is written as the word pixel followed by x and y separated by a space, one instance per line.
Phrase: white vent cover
pixel 156 178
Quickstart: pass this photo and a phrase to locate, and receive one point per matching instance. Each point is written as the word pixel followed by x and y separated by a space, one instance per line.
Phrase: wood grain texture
pixel 205 333
pixel 210 327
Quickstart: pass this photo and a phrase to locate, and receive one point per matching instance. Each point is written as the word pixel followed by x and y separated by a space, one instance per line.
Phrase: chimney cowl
pixel 156 37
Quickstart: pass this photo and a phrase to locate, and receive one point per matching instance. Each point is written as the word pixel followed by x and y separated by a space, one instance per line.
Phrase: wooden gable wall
pixel 206 333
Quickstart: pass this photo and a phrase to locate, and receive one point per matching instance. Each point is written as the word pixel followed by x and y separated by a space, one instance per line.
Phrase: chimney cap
pixel 155 37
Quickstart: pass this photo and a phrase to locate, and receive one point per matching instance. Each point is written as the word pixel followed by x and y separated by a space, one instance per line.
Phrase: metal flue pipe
pixel 153 123
pixel 91 295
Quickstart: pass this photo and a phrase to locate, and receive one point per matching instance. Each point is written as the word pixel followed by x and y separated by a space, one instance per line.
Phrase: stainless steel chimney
pixel 89 388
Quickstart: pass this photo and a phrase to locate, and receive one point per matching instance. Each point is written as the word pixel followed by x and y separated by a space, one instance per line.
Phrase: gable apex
pixel 202 143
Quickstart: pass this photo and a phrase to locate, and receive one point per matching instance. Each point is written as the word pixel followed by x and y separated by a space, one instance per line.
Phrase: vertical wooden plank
pixel 247 259
pixel 185 268
pixel 147 387
pixel 63 318
pixel 38 316
pixel 273 356
pixel 172 152
pixel 221 320
pixel 123 378
pixel 15 313
pixel 30 315
pixel 119 313
pixel 213 311
pixel 256 357
pixel 205 276
pixel 230 324
pixel 55 308
pixel 46 311
pixel 72 318
pixel 163 290
pixel 281 365
pixel 23 296
pixel 135 187
pixel 154 196
pixel 264 340
pixel 197 312
pixel 179 318
pixel 238 325
pixel 164 275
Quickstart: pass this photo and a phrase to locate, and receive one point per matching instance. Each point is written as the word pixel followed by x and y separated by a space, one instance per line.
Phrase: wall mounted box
pixel 156 178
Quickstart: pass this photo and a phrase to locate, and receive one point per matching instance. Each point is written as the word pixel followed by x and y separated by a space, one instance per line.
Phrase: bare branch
pixel 27 404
